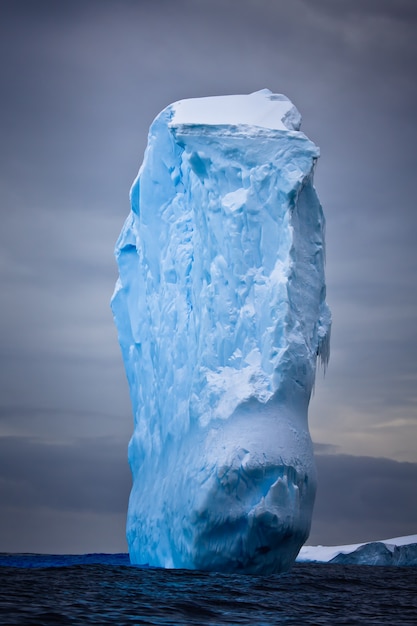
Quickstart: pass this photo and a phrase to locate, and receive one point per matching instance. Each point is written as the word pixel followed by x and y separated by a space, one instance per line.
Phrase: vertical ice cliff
pixel 221 314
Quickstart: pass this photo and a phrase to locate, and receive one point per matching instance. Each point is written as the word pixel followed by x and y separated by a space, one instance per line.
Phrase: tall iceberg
pixel 221 315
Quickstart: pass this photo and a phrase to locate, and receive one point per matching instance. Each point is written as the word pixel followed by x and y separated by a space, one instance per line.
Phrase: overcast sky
pixel 80 84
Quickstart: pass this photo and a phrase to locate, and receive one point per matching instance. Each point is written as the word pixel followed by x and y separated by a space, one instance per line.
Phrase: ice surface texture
pixel 221 314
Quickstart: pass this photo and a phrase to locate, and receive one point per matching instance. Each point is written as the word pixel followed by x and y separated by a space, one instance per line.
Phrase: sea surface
pixel 105 589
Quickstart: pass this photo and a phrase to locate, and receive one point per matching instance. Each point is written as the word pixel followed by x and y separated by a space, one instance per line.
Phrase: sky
pixel 80 84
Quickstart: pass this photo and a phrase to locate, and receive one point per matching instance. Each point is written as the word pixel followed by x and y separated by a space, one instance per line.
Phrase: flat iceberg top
pixel 324 554
pixel 261 108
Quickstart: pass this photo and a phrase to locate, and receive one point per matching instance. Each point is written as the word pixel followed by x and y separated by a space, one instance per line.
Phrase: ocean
pixel 105 589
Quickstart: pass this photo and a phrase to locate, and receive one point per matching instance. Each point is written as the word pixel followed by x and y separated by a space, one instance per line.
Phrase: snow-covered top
pixel 324 554
pixel 261 108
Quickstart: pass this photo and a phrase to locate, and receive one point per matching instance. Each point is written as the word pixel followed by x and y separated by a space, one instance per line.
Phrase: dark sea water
pixel 105 589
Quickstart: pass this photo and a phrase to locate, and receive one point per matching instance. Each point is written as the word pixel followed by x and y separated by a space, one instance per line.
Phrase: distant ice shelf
pixel 395 551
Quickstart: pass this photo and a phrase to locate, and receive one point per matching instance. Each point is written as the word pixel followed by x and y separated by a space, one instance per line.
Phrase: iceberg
pixel 221 315
pixel 396 551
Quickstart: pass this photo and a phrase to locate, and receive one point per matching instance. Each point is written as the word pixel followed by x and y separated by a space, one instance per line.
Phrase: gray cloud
pixel 63 496
pixel 401 10
pixel 67 476
pixel 325 448
pixel 363 499
pixel 85 483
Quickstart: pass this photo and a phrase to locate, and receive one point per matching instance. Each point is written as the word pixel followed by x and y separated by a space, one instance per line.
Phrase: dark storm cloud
pixel 358 499
pixel 67 476
pixel 63 494
pixel 363 499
